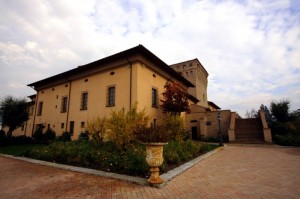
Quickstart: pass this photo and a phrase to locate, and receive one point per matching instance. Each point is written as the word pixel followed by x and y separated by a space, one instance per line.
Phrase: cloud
pixel 250 48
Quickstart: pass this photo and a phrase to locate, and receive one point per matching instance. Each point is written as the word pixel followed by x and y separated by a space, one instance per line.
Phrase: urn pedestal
pixel 154 159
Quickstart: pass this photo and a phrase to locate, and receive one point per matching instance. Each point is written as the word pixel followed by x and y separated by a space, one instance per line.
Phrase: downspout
pixel 130 82
pixel 35 109
pixel 68 107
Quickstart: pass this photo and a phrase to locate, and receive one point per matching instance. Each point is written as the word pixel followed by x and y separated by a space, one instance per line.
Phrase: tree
pixel 267 113
pixel 13 112
pixel 252 114
pixel 175 99
pixel 280 110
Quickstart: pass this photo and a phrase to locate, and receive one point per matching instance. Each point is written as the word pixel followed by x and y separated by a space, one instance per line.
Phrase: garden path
pixel 235 172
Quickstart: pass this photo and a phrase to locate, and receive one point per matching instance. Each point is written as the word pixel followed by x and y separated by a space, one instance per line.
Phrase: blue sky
pixel 251 49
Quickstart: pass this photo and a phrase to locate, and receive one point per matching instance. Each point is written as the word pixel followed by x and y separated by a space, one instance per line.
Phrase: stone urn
pixel 154 159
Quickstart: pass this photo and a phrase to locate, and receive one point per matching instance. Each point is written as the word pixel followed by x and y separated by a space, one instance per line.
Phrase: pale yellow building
pixel 65 102
pixel 193 71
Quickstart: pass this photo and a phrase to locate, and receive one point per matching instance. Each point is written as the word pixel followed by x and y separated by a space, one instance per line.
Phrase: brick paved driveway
pixel 235 172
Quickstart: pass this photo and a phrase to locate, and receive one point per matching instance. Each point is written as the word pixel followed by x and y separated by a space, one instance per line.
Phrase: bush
pixel 102 156
pixel 15 140
pixel 38 134
pixel 177 152
pixel 107 156
pixel 204 148
pixel 96 128
pixel 152 134
pixel 287 140
pixel 2 137
pixel 123 124
pixel 83 136
pixel 49 135
pixel 65 137
pixel 174 125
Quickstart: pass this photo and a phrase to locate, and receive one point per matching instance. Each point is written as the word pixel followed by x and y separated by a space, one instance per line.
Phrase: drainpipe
pixel 35 109
pixel 130 82
pixel 68 107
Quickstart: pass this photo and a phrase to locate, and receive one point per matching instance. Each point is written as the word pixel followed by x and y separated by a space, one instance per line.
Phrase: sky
pixel 251 49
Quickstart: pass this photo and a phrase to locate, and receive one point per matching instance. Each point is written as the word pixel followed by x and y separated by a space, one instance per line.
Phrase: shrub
pixel 152 134
pixel 204 148
pixel 83 136
pixel 287 140
pixel 96 128
pixel 38 134
pixel 65 136
pixel 49 135
pixel 177 152
pixel 123 125
pixel 174 125
pixel 106 156
pixel 2 137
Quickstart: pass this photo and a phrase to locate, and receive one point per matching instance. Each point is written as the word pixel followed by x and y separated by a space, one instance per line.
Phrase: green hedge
pixel 107 157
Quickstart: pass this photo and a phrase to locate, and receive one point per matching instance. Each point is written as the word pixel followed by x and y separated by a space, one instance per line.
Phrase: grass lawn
pixel 20 149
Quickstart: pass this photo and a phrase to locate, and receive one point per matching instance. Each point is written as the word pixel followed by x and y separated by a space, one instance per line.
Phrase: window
pixel 64 104
pixel 62 125
pixel 82 125
pixel 40 108
pixel 72 124
pixel 111 96
pixel 84 100
pixel 30 111
pixel 154 97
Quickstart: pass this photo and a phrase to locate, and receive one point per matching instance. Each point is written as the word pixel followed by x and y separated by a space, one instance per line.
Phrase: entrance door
pixel 194 133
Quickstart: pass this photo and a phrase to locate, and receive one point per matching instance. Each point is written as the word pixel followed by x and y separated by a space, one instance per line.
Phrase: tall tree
pixel 280 110
pixel 13 112
pixel 175 99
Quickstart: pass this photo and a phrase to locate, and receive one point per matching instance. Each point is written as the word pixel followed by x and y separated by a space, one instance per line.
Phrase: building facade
pixel 65 102
pixel 193 71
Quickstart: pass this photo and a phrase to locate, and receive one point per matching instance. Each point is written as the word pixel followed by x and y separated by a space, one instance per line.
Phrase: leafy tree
pixel 280 111
pixel 13 112
pixel 175 99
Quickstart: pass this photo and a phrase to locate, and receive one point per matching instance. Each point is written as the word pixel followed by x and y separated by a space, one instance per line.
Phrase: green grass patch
pixel 20 149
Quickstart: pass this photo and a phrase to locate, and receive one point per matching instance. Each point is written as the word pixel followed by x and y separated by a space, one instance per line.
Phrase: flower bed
pixel 107 157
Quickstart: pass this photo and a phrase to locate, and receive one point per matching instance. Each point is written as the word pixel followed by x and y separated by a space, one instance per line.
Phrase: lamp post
pixel 220 133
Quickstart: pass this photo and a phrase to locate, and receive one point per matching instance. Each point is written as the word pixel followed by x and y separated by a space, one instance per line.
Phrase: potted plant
pixel 154 138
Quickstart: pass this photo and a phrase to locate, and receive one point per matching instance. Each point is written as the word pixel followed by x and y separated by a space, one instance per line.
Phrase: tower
pixel 193 71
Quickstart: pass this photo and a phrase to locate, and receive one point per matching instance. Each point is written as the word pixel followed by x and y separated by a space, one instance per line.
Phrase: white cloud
pixel 250 48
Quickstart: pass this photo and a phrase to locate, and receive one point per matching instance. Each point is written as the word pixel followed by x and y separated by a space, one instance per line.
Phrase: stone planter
pixel 154 159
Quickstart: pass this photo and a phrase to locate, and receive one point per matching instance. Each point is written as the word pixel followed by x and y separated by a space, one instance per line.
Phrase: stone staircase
pixel 249 131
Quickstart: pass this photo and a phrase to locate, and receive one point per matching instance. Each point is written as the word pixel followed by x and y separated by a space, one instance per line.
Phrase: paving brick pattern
pixel 235 172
